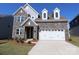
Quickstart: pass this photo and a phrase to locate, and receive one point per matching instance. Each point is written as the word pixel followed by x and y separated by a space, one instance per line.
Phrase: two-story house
pixel 28 23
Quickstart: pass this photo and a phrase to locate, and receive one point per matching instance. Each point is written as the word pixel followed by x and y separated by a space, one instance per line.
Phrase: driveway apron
pixel 52 47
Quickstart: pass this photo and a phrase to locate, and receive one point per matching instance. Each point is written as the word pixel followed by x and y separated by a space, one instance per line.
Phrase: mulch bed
pixel 17 42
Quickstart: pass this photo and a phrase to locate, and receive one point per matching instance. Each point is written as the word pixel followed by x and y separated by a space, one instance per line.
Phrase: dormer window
pixel 32 17
pixel 39 16
pixel 56 13
pixel 44 14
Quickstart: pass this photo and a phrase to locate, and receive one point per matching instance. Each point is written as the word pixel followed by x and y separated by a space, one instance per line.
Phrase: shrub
pixel 29 42
pixel 17 40
pixel 22 41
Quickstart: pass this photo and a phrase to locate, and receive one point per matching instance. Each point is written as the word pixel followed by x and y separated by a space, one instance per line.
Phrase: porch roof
pixel 27 20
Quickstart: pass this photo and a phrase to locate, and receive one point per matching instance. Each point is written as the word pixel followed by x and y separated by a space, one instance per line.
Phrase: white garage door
pixel 52 35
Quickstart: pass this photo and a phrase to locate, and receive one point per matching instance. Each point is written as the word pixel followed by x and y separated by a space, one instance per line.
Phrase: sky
pixel 68 10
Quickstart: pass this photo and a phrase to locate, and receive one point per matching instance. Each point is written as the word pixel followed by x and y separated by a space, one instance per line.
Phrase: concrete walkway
pixel 54 48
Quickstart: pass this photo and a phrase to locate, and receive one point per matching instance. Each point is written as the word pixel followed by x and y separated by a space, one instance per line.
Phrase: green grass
pixel 74 40
pixel 13 48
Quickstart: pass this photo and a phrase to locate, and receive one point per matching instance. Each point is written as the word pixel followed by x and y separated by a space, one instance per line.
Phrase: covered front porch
pixel 31 29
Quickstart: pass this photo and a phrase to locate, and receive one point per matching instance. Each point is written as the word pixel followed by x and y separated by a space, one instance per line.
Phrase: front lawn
pixel 74 40
pixel 11 47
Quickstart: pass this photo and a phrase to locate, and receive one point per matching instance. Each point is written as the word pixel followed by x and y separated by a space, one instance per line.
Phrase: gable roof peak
pixel 27 20
pixel 57 9
pixel 25 5
pixel 44 10
pixel 30 7
pixel 18 10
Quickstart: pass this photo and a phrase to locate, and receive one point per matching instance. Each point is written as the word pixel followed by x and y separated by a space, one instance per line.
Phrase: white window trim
pixel 56 11
pixel 19 30
pixel 44 11
pixel 44 15
pixel 20 18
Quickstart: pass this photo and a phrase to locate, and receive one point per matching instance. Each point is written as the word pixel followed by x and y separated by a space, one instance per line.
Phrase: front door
pixel 29 32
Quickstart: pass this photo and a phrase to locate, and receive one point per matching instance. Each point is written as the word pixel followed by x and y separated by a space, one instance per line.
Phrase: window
pixel 39 16
pixel 58 29
pixel 56 14
pixel 62 30
pixel 20 18
pixel 52 30
pixel 32 17
pixel 19 31
pixel 44 15
pixel 55 30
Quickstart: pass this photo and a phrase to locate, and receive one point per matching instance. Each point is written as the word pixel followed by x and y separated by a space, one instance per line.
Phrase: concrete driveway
pixel 54 48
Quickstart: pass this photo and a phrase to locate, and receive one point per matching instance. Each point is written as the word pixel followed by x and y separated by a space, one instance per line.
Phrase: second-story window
pixel 20 18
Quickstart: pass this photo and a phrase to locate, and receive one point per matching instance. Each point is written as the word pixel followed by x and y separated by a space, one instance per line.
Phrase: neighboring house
pixel 6 25
pixel 74 22
pixel 74 26
pixel 28 23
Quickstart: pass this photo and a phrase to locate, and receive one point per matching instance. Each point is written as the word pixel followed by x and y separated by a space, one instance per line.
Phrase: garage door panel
pixel 52 35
